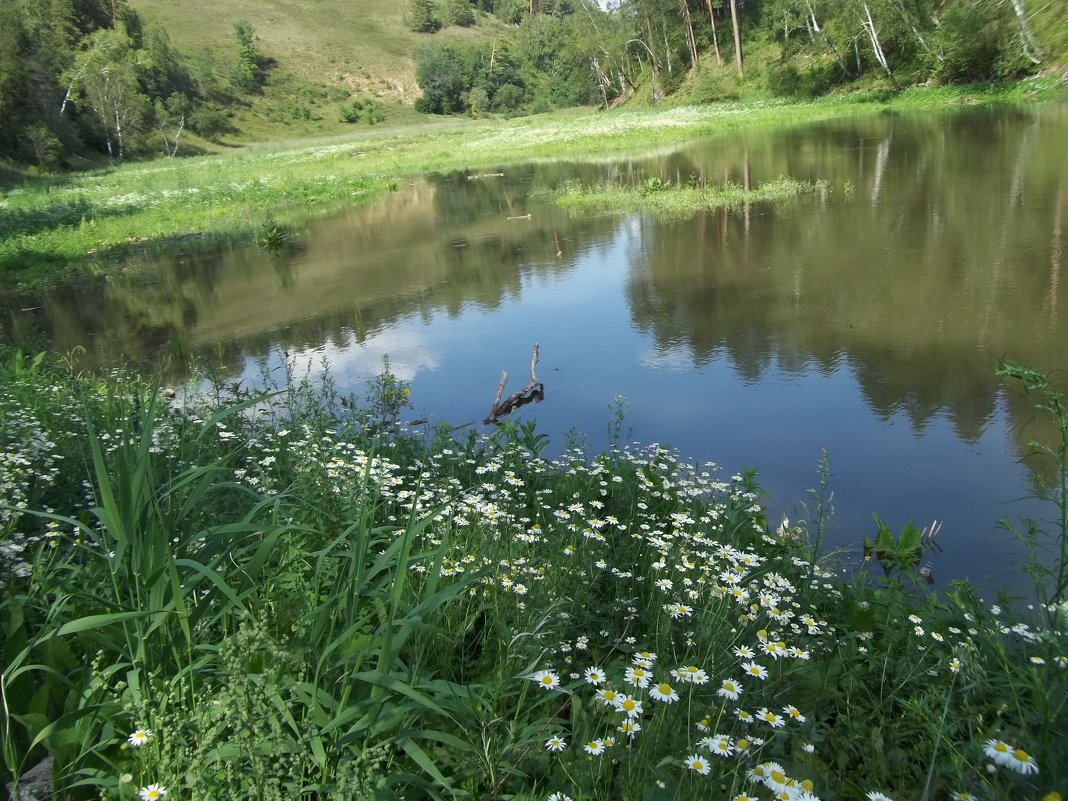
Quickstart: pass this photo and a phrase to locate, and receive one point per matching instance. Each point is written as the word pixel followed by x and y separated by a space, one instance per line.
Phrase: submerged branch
pixel 533 392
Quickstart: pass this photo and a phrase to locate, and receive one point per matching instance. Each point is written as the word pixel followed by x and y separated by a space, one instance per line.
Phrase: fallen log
pixel 533 392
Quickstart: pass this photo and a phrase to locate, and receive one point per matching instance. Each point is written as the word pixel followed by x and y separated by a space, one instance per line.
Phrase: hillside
pixel 323 52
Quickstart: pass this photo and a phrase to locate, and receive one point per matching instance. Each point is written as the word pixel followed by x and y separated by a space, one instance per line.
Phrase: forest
pixel 85 81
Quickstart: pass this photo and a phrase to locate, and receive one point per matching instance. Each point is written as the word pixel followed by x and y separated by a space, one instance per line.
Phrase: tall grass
pixel 668 200
pixel 280 595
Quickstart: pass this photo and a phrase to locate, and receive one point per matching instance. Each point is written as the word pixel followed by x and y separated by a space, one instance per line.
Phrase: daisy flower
pixel 696 763
pixel 720 745
pixel 679 611
pixel 153 792
pixel 753 669
pixel 998 751
pixel 695 675
pixel 729 689
pixel 629 727
pixel 631 707
pixel 608 696
pixel 962 796
pixel 556 744
pixel 594 676
pixel 139 738
pixel 775 776
pixel 875 795
pixel 744 652
pixel 558 797
pixel 771 718
pixel 638 676
pixel 546 679
pixel 794 713
pixel 743 716
pixel 1021 762
pixel 594 747
pixel 664 692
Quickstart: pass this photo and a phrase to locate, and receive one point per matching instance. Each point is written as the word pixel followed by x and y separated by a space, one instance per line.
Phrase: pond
pixel 865 319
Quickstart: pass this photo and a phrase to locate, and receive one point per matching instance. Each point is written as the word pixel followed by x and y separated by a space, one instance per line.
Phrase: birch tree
pixel 107 73
pixel 715 36
pixel 737 39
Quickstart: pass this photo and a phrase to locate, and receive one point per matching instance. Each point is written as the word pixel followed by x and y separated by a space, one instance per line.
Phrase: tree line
pixel 576 51
pixel 79 78
pixel 82 79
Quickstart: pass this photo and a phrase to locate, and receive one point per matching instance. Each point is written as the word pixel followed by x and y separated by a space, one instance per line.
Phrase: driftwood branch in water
pixel 533 392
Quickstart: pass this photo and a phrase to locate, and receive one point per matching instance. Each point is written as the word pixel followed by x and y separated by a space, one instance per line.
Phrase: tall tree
pixel 691 40
pixel 715 37
pixel 737 39
pixel 876 45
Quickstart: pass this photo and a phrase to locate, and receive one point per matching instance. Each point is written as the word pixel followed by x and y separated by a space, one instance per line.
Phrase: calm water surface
pixel 865 319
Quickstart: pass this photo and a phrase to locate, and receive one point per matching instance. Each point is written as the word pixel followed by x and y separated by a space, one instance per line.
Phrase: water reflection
pixel 865 318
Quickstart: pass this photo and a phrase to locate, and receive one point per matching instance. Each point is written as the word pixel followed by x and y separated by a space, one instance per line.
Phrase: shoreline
pixel 54 227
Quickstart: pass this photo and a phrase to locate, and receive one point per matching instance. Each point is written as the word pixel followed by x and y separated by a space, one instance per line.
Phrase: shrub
pixel 421 16
pixel 508 97
pixel 460 12
pixel 363 108
pixel 210 122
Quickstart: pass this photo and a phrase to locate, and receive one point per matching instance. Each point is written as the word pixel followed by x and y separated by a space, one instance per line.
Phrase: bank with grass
pixel 52 226
pixel 289 594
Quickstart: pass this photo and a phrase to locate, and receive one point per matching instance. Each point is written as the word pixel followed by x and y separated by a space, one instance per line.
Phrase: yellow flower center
pixel 665 689
pixel 1021 755
pixel 778 777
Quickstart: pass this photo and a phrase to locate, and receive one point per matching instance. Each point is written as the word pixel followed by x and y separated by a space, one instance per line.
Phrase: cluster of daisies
pixel 644 691
pixel 1004 755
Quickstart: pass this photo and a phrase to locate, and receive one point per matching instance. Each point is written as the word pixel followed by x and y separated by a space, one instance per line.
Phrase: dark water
pixel 865 319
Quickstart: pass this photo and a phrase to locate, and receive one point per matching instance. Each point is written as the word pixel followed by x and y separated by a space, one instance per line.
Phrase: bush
pixel 508 97
pixel 210 123
pixel 365 108
pixel 816 79
pixel 460 12
pixel 421 16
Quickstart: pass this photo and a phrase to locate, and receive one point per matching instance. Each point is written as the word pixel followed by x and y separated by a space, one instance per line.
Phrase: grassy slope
pixel 324 52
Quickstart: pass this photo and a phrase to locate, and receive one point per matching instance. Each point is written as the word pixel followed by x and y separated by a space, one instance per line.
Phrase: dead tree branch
pixel 533 392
